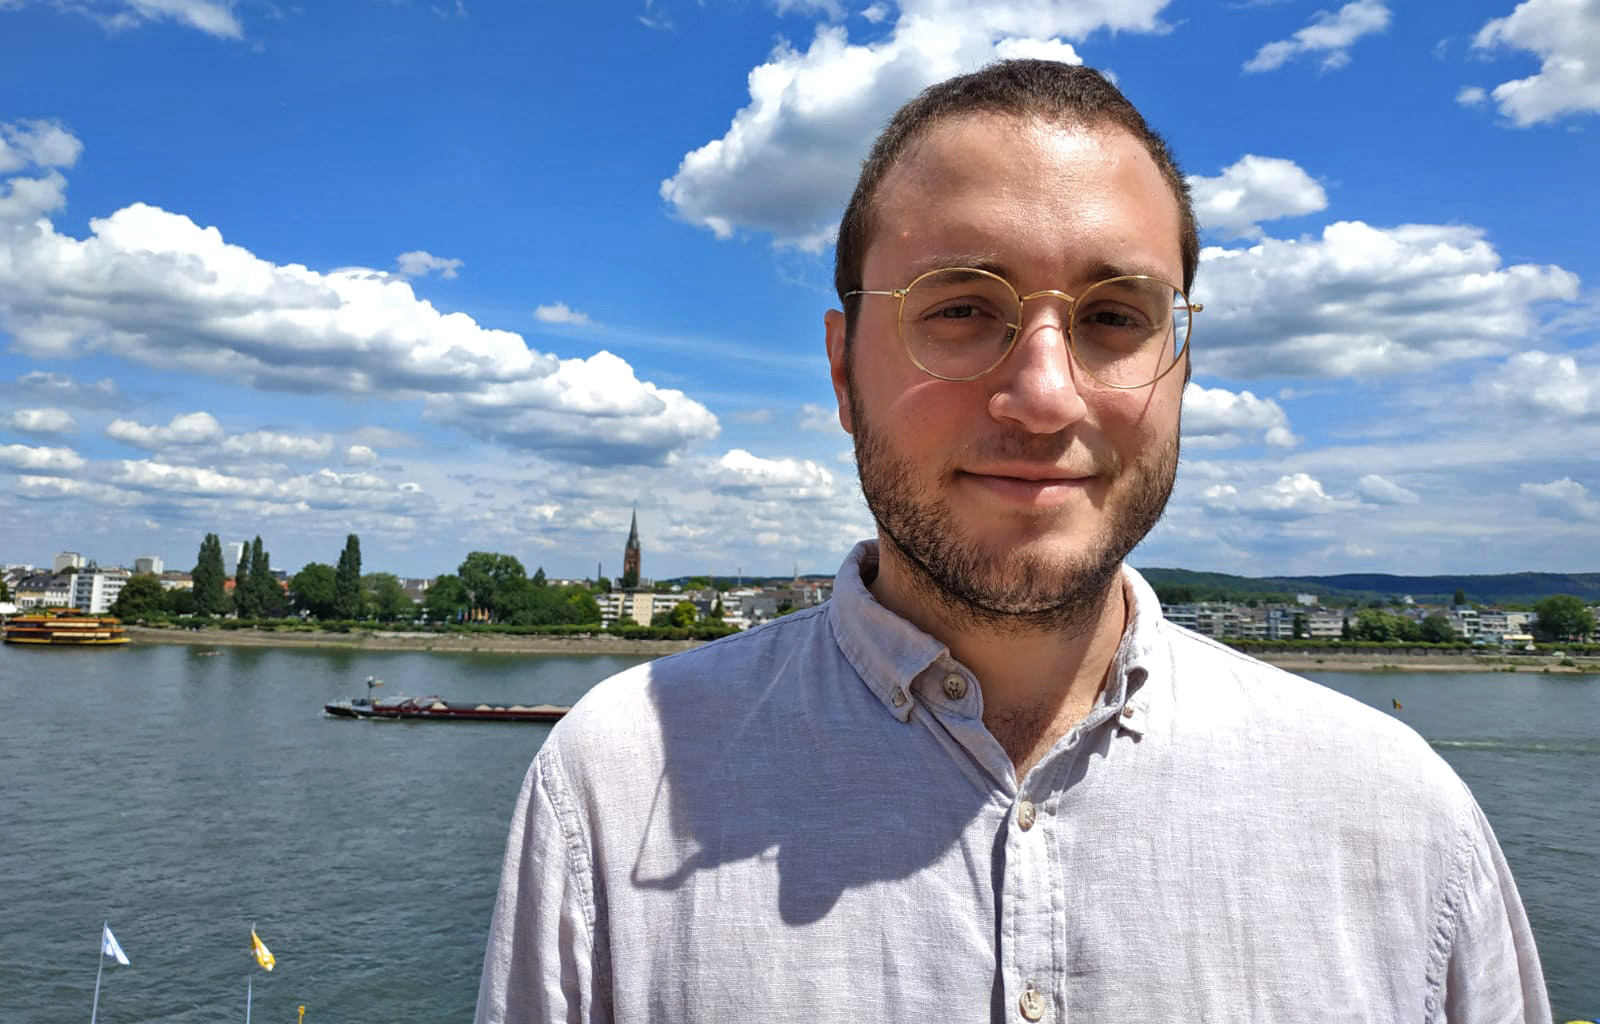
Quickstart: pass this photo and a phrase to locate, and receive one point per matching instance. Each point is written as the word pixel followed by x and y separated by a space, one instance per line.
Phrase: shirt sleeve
pixel 1493 974
pixel 540 964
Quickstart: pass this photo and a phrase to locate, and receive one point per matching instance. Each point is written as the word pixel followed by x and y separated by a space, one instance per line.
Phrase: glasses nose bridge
pixel 1046 293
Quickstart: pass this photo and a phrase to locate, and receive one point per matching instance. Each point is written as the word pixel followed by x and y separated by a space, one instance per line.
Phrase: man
pixel 987 780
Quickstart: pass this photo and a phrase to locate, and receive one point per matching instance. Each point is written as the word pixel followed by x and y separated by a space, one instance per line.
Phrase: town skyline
pixel 460 319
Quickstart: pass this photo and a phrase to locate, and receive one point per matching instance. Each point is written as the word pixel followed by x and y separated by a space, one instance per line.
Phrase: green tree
pixel 446 599
pixel 1345 632
pixel 347 580
pixel 210 596
pixel 1302 629
pixel 244 596
pixel 266 593
pixel 1563 617
pixel 1436 629
pixel 178 601
pixel 312 590
pixel 1460 597
pixel 140 598
pixel 495 582
pixel 538 577
pixel 1376 624
pixel 683 613
pixel 389 600
pixel 5 592
pixel 602 585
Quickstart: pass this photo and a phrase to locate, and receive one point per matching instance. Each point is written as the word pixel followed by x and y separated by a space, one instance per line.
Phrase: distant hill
pixel 1505 588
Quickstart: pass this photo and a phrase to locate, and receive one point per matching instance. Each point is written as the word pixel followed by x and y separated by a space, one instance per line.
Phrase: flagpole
pixel 99 969
pixel 249 981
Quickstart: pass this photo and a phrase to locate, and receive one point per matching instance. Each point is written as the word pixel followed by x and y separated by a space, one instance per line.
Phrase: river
pixel 185 796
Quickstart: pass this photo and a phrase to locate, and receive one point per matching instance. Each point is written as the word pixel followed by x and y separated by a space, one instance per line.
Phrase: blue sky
pixel 461 276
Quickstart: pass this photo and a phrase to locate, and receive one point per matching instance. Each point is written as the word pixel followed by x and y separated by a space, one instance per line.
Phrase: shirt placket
pixel 1028 897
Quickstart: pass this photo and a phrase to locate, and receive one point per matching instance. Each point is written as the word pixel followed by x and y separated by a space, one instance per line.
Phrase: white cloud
pixel 820 418
pixel 272 445
pixel 739 472
pixel 40 460
pixel 1565 35
pixel 1545 385
pixel 59 388
pixel 1382 491
pixel 421 264
pixel 194 428
pixel 560 313
pixel 1471 96
pixel 752 416
pixel 359 455
pixel 790 157
pixel 39 421
pixel 213 17
pixel 191 428
pixel 39 144
pixel 1290 496
pixel 1330 33
pixel 324 489
pixel 1564 498
pixel 49 488
pixel 156 288
pixel 589 410
pixel 1219 418
pixel 1366 301
pixel 1254 189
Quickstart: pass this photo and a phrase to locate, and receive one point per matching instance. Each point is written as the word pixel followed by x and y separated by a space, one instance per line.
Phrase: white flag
pixel 109 946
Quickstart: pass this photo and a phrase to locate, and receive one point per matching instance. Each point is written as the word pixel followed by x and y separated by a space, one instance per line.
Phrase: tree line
pixel 487 587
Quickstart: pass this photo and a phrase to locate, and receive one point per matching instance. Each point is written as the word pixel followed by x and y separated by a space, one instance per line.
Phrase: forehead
pixel 1024 192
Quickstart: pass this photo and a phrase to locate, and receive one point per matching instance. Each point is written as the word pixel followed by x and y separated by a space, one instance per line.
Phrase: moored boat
pixel 65 629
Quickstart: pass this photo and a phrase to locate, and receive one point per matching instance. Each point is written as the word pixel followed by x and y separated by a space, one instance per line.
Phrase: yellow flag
pixel 264 955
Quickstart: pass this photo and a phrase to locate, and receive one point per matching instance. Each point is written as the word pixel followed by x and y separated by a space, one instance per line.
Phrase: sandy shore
pixel 369 640
pixel 373 640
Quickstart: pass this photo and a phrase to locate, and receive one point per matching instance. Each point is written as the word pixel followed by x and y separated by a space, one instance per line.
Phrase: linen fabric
pixel 809 822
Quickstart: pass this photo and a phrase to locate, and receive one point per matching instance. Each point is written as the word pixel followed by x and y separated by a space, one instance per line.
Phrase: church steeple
pixel 630 555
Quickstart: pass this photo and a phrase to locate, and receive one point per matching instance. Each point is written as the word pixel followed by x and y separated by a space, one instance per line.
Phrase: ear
pixel 838 369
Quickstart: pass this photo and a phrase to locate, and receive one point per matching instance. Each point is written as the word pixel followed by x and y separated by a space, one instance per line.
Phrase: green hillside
pixel 1505 588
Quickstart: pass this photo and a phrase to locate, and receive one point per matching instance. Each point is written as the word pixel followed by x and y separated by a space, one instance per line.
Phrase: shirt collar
pixel 889 653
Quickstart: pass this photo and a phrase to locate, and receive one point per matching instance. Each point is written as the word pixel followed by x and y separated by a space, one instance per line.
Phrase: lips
pixel 1028 485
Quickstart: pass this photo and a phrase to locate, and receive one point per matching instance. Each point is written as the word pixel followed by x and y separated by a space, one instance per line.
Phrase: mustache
pixel 1065 449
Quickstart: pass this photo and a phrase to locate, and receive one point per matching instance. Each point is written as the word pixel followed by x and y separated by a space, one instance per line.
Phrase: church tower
pixel 630 555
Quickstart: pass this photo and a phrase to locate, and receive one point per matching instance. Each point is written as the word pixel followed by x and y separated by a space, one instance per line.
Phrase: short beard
pixel 1014 592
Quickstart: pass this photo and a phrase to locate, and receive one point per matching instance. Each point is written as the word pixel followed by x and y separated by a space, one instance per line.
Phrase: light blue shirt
pixel 809 822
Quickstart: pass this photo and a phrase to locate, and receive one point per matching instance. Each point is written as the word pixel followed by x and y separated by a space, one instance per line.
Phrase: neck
pixel 1040 673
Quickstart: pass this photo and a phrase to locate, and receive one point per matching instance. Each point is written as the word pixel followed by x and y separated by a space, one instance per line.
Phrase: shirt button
pixel 1031 1004
pixel 898 697
pixel 1127 711
pixel 1025 817
pixel 955 687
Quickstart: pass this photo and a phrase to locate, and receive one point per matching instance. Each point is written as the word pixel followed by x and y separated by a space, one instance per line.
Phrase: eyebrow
pixel 992 262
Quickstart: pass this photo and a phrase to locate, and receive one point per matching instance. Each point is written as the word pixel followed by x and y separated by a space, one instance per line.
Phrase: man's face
pixel 1016 494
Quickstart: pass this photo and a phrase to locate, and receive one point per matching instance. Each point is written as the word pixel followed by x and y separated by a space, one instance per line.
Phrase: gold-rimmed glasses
pixel 958 323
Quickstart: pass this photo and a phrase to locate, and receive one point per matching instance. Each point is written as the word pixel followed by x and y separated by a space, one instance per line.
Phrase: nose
pixel 1037 387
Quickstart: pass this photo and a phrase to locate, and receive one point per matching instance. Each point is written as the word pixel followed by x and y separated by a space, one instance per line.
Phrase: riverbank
pixel 601 643
pixel 1453 661
pixel 398 640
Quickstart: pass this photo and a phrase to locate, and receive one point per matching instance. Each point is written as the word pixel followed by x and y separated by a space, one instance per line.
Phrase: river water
pixel 185 796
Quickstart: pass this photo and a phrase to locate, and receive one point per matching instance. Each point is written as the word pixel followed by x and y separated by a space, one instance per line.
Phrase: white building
pixel 94 592
pixel 67 560
pixel 43 590
pixel 641 606
pixel 148 564
pixel 232 554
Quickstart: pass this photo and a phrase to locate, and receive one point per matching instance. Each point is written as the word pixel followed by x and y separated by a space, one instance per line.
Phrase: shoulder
pixel 620 721
pixel 1308 735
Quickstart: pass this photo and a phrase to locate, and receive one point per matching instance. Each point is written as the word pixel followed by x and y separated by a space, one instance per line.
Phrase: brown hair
pixel 1024 88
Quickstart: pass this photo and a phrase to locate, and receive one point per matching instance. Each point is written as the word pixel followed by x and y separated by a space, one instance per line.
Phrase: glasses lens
pixel 957 323
pixel 1130 330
